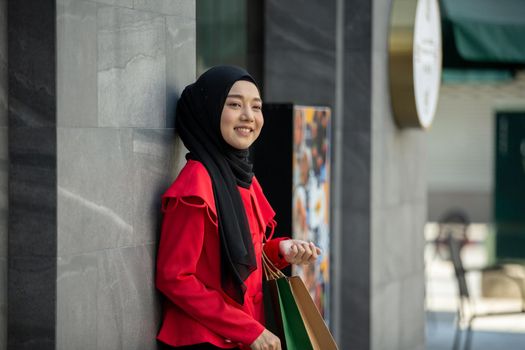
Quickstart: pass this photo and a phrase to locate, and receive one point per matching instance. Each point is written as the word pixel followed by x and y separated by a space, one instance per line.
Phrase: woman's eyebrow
pixel 241 97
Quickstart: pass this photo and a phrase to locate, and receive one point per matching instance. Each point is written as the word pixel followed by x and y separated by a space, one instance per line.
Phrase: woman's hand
pixel 296 251
pixel 266 341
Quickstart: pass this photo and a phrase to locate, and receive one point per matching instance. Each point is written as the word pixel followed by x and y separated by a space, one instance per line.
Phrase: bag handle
pixel 271 272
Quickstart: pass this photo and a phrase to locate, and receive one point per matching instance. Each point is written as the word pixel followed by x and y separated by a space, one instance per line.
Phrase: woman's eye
pixel 234 104
pixel 257 107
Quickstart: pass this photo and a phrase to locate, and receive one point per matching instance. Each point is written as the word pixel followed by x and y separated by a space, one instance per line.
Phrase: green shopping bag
pixel 293 325
pixel 283 317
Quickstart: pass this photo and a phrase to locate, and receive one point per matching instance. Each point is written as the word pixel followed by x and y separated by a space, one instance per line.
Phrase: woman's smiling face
pixel 242 118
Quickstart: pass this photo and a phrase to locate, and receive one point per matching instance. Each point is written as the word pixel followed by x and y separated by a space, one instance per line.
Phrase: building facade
pixel 87 98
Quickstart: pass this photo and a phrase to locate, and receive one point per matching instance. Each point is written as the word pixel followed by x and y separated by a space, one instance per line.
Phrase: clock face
pixel 427 60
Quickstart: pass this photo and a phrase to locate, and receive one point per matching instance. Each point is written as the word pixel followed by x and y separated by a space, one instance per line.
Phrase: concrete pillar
pixel 92 93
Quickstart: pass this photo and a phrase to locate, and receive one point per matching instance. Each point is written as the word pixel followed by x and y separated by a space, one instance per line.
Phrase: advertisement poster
pixel 311 201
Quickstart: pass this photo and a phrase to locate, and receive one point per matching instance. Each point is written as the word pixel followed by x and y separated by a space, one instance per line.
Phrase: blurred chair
pixel 467 312
pixel 454 222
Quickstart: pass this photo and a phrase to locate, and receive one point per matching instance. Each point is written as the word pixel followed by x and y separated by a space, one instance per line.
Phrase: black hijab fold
pixel 197 122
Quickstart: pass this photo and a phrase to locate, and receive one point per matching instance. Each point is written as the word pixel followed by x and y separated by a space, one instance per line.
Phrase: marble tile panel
pixel 411 254
pixel 131 68
pixel 392 245
pixel 354 281
pixel 127 306
pixel 3 63
pixel 421 155
pixel 299 25
pixel 356 244
pixel 77 288
pixel 380 106
pixel 3 302
pixel 357 92
pixel 95 189
pixel 377 166
pixel 179 8
pixel 391 151
pixel 300 77
pixel 31 43
pixel 358 25
pixel 76 63
pixel 32 192
pixel 32 302
pixel 154 170
pixel 356 170
pixel 385 314
pixel 412 313
pixel 408 165
pixel 381 23
pixel 179 159
pixel 4 188
pixel 418 220
pixel 413 165
pixel 119 3
pixel 181 61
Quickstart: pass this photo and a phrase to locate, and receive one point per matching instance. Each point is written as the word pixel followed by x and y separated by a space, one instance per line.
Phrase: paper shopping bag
pixel 318 332
pixel 295 333
pixel 272 310
pixel 291 313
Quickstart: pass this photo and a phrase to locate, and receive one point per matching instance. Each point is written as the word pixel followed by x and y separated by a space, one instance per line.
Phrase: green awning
pixel 484 31
pixel 452 76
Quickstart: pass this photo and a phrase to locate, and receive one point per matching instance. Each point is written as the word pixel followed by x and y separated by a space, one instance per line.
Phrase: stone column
pixel 3 174
pixel 398 208
pixel 93 88
pixel 32 175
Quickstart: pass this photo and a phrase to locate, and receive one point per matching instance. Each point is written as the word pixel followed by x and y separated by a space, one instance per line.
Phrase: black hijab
pixel 198 121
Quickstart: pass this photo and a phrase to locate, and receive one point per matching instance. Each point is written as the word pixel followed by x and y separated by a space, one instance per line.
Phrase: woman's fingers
pixel 266 341
pixel 300 252
pixel 314 255
pixel 306 253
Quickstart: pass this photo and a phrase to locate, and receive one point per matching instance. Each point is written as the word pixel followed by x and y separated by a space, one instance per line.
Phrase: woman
pixel 215 219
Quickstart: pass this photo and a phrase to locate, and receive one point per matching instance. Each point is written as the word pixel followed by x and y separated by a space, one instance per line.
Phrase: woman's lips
pixel 243 131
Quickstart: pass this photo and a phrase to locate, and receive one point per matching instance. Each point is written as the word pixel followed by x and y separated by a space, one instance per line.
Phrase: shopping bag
pixel 295 333
pixel 272 309
pixel 283 317
pixel 318 332
pixel 291 312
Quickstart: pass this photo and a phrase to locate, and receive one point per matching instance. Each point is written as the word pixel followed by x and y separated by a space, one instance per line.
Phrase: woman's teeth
pixel 244 129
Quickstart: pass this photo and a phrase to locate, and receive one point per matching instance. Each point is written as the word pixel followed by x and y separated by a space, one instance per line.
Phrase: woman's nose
pixel 247 114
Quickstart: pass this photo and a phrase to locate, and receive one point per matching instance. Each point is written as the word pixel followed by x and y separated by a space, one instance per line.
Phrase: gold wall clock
pixel 414 49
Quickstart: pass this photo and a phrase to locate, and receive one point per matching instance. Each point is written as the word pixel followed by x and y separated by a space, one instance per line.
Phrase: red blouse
pixel 196 310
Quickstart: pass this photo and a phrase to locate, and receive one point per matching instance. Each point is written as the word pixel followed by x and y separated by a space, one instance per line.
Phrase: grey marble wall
pixel 355 176
pixel 31 174
pixel 399 212
pixel 299 61
pixel 3 174
pixel 318 53
pixel 121 65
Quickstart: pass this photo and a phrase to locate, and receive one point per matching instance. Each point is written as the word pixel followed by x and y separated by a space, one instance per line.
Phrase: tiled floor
pixel 494 333
pixel 440 335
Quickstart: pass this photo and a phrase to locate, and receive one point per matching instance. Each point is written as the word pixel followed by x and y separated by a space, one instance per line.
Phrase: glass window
pixel 221 33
